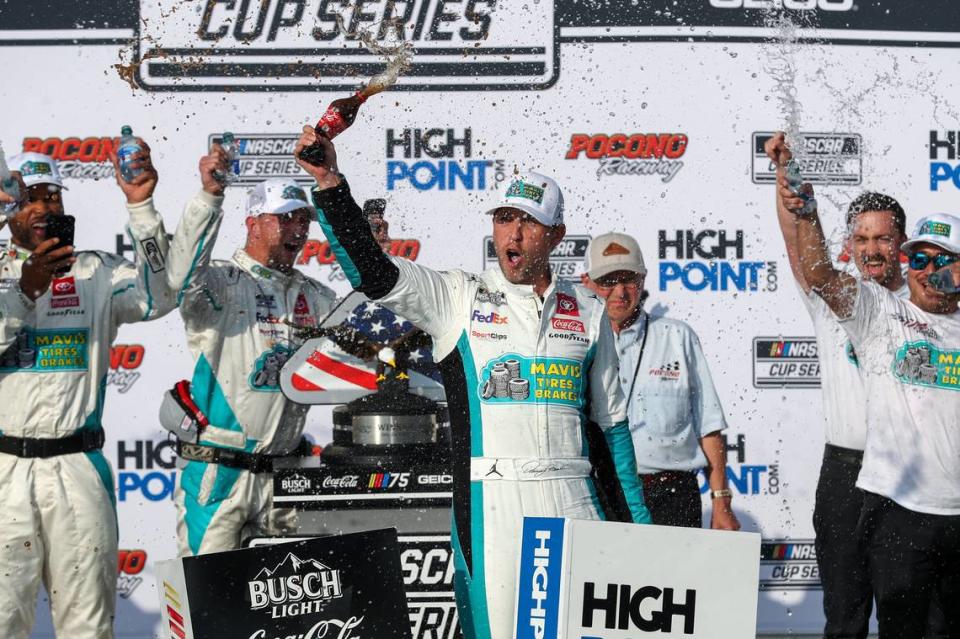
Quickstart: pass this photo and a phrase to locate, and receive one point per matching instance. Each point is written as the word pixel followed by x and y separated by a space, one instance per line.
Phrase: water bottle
pixel 128 147
pixel 9 186
pixel 232 147
pixel 795 181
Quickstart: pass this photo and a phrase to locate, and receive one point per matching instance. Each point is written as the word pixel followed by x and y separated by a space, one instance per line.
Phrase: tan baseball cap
pixel 613 252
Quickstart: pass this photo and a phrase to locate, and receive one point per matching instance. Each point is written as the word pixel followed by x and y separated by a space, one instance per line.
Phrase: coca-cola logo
pixel 562 324
pixel 64 286
pixel 347 481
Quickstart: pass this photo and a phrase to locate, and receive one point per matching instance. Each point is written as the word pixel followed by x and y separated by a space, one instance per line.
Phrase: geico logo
pixel 429 568
pixel 715 276
pixel 322 253
pixel 84 150
pixel 492 318
pixel 155 486
pixel 131 562
pixel 435 20
pixel 620 606
pixel 145 454
pixel 432 480
pixel 433 143
pixel 636 146
pixel 444 175
pixel 797 5
pixel 538 592
pixel 127 356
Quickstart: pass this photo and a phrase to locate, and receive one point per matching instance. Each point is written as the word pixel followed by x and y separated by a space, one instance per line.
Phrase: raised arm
pixel 779 154
pixel 816 270
pixel 429 299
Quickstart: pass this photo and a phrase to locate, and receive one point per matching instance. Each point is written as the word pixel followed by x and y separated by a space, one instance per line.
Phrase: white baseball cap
pixel 613 252
pixel 941 229
pixel 37 168
pixel 535 194
pixel 277 196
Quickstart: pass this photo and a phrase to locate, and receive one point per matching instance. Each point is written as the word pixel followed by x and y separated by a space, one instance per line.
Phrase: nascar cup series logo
pixel 311 44
pixel 295 587
pixel 261 156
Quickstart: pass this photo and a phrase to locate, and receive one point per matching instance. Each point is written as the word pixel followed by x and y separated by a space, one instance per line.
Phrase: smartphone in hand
pixel 61 227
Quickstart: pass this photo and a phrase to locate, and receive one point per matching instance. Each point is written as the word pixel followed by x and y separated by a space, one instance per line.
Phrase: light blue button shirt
pixel 674 402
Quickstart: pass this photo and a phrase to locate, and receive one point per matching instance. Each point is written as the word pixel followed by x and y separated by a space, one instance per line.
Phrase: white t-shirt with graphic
pixel 910 363
pixel 840 382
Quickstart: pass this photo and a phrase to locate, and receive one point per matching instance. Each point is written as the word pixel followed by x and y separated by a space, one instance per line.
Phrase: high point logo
pixel 634 154
pixel 744 478
pixel 78 158
pixel 712 260
pixel 295 587
pixel 439 159
pixel 145 469
pixel 623 606
pixel 943 146
pixel 299 46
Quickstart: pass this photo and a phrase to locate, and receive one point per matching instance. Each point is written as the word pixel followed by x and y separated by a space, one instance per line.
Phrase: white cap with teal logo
pixel 535 194
pixel 940 229
pixel 37 168
pixel 277 196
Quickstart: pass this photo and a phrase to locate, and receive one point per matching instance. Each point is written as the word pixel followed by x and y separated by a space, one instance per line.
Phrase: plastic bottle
pixel 128 147
pixel 9 186
pixel 232 147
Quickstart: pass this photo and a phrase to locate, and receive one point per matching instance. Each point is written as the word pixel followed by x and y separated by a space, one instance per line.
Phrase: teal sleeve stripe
pixel 197 516
pixel 470 376
pixel 209 397
pixel 471 589
pixel 146 279
pixel 349 268
pixel 624 459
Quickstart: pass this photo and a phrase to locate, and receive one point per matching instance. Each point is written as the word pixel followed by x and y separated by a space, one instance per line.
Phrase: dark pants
pixel 914 561
pixel 844 569
pixel 673 498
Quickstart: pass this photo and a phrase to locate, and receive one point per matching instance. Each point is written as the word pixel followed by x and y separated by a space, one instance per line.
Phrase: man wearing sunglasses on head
pixel 907 350
pixel 674 413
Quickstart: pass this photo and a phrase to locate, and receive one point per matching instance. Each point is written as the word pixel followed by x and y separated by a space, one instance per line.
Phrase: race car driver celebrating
pixel 526 359
pixel 241 317
pixel 58 523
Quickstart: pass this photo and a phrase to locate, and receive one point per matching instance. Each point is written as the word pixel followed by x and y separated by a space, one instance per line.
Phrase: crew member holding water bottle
pixel 907 352
pixel 241 317
pixel 58 524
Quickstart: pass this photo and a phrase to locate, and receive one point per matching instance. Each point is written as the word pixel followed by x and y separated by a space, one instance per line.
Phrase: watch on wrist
pixel 720 494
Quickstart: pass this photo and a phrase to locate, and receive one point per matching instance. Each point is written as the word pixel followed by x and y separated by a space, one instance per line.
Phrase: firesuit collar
pixel 252 266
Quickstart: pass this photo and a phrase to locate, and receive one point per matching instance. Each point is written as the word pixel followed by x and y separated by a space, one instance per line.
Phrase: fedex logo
pixel 63 286
pixel 492 318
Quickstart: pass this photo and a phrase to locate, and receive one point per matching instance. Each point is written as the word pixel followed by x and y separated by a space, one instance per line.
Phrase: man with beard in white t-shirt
pixel 876 227
pixel 909 358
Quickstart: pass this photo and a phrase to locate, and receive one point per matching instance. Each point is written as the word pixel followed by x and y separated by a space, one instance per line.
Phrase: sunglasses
pixel 609 283
pixel 919 261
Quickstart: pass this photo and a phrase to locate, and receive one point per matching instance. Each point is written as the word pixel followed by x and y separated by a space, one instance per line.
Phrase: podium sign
pixel 339 586
pixel 605 580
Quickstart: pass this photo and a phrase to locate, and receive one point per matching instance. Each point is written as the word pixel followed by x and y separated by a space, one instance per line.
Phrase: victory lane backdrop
pixel 684 89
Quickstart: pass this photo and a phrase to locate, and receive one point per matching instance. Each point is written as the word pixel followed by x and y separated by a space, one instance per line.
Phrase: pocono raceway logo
pixel 566 260
pixel 78 158
pixel 785 362
pixel 125 359
pixel 824 158
pixel 321 253
pixel 439 159
pixel 261 156
pixel 643 154
pixel 711 260
pixel 130 563
pixel 743 478
pixel 145 470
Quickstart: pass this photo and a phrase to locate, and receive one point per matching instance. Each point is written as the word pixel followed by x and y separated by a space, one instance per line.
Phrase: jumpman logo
pixel 493 469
